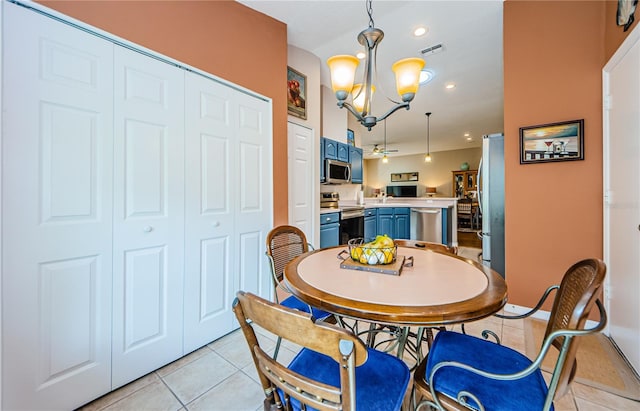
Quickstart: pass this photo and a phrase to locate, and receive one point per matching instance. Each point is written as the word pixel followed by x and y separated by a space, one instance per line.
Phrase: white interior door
pixel 57 206
pixel 148 214
pixel 622 196
pixel 302 179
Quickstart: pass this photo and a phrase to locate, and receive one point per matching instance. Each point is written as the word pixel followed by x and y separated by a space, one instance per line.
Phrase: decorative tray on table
pixel 378 256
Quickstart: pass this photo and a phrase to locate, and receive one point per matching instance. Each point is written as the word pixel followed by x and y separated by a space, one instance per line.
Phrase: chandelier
pixel 343 69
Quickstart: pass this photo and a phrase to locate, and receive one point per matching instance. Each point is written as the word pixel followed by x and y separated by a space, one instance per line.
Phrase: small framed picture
pixel 552 142
pixel 351 139
pixel 296 93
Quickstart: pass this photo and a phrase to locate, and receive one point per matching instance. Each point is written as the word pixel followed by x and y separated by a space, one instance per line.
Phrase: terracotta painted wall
pixel 223 38
pixel 553 57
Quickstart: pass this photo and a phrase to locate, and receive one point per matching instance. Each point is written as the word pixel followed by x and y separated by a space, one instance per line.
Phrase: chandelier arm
pixel 353 111
pixel 404 104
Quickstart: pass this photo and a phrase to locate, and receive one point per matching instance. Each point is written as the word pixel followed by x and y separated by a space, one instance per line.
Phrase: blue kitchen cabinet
pixel 330 149
pixel 385 221
pixel 343 152
pixel 402 222
pixel 370 224
pixel 394 222
pixel 322 157
pixel 329 230
pixel 355 157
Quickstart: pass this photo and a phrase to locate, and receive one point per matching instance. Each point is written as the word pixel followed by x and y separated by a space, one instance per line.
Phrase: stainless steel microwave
pixel 337 172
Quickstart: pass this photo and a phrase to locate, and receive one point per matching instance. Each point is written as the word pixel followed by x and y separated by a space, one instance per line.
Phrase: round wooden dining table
pixel 439 288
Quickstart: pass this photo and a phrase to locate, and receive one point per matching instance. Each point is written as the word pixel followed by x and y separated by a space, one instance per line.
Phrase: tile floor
pixel 221 376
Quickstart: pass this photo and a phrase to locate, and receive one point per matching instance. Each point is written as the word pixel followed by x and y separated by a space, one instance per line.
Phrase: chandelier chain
pixel 370 13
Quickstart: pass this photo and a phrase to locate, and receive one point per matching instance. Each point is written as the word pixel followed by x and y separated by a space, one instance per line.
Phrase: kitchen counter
pixel 413 202
pixel 329 210
pixel 436 202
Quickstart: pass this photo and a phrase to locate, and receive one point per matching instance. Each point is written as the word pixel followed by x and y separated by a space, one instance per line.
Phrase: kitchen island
pixel 413 202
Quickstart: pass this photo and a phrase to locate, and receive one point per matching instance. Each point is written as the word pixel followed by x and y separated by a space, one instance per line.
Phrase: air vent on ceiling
pixel 433 49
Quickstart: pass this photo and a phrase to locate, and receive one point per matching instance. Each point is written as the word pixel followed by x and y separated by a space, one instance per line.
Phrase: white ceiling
pixel 471 33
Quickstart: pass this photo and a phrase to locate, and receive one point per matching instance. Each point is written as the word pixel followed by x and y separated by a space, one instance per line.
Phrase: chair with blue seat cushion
pixel 284 243
pixel 333 371
pixel 463 372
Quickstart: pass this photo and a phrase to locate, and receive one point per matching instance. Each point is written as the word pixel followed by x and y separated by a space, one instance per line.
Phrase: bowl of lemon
pixel 382 250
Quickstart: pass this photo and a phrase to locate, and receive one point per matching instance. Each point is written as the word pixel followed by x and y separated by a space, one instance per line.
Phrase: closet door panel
pixel 57 206
pixel 148 214
pixel 211 184
pixel 254 214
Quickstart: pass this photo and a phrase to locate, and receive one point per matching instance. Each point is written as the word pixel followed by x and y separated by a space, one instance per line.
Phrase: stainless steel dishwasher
pixel 426 224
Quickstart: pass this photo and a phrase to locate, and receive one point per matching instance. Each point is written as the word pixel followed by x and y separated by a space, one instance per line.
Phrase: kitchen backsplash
pixel 346 191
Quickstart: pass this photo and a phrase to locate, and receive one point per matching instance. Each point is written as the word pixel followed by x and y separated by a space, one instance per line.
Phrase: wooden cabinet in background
pixel 464 182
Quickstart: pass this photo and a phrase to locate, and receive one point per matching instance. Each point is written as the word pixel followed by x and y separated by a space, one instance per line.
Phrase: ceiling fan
pixel 377 150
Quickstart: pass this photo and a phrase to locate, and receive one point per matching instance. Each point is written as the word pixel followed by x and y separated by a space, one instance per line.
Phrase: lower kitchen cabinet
pixel 329 230
pixel 393 221
pixel 370 224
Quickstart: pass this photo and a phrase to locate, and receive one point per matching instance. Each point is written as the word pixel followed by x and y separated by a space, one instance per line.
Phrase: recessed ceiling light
pixel 469 138
pixel 466 134
pixel 450 86
pixel 426 76
pixel 361 55
pixel 420 31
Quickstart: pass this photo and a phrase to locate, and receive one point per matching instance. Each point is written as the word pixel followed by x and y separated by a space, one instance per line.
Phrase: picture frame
pixel 296 93
pixel 351 139
pixel 553 142
pixel 409 176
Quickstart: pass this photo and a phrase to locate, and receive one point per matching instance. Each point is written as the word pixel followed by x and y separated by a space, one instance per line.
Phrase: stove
pixel 351 217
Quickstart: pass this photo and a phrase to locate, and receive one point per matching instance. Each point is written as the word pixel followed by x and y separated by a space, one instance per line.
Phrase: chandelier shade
pixel 407 73
pixel 343 70
pixel 359 97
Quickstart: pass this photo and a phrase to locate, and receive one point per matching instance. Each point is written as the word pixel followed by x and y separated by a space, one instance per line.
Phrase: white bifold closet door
pixel 148 226
pixel 57 168
pixel 228 197
pixel 136 199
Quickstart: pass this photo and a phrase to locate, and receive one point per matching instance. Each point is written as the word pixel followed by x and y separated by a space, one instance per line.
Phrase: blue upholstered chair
pixel 333 371
pixel 284 243
pixel 463 372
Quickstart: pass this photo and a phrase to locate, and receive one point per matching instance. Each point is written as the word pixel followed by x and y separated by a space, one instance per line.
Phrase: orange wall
pixel 553 57
pixel 223 38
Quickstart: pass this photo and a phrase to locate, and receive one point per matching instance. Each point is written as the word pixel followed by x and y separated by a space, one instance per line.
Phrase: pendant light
pixel 427 157
pixel 385 159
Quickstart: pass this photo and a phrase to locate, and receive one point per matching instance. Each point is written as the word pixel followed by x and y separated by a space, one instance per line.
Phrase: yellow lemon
pixel 356 252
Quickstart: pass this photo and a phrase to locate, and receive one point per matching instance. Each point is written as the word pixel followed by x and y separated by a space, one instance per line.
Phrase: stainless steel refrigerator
pixel 491 201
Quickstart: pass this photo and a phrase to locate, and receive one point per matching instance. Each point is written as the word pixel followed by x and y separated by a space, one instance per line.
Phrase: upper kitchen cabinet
pixel 355 155
pixel 334 150
pixel 330 148
pixel 343 152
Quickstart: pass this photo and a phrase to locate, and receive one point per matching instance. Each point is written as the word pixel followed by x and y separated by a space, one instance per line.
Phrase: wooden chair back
pixel 284 243
pixel 298 327
pixel 428 245
pixel 581 286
